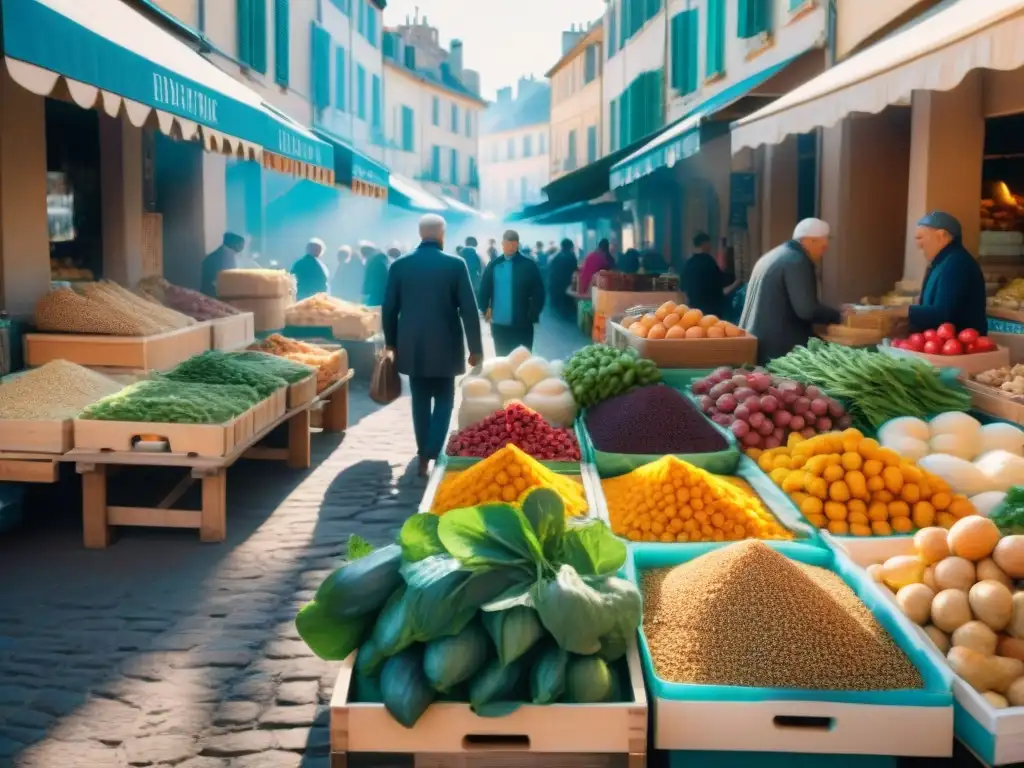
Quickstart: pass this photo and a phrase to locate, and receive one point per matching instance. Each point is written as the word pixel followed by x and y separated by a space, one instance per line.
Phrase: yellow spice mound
pixel 506 476
pixel 669 500
pixel 850 485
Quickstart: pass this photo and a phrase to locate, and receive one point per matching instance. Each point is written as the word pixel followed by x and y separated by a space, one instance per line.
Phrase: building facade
pixel 576 101
pixel 515 148
pixel 432 113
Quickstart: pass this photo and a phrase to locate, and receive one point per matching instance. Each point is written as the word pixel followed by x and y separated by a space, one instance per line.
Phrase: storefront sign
pixel 292 145
pixel 743 188
pixel 184 98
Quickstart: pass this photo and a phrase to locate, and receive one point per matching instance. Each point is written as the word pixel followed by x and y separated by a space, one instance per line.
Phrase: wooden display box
pixel 687 353
pixel 234 332
pixel 210 440
pixel 268 313
pixel 270 410
pixel 37 435
pixel 302 392
pixel 1013 315
pixel 995 402
pixel 449 735
pixel 147 353
pixel 969 364
pixel 613 303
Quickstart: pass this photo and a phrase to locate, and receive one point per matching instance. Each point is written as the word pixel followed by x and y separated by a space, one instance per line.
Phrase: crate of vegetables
pixel 642 425
pixel 946 347
pixel 794 642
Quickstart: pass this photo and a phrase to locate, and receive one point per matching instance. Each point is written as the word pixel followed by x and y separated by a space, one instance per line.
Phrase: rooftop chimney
pixel 505 95
pixel 471 81
pixel 455 58
pixel 571 37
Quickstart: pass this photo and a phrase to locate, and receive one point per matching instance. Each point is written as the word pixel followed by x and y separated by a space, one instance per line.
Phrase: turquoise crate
pixel 931 734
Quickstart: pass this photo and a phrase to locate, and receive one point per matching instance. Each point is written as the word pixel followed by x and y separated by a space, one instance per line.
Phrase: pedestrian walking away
pixel 428 306
pixel 512 296
pixel 782 304
pixel 473 262
pixel 310 272
pixel 228 256
pixel 704 278
pixel 561 268
pixel 376 276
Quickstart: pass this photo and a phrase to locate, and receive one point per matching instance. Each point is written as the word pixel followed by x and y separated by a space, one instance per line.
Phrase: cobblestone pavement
pixel 161 651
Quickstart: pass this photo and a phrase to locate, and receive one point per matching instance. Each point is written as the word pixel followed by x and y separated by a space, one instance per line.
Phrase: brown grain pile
pixel 747 615
pixel 57 390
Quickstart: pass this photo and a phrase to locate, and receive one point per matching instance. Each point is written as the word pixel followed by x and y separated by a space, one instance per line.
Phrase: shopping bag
pixel 385 384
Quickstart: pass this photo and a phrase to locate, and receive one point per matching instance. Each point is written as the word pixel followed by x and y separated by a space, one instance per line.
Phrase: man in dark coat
pixel 512 295
pixel 349 276
pixel 311 275
pixel 375 277
pixel 782 304
pixel 704 280
pixel 473 262
pixel 228 256
pixel 428 305
pixel 561 268
pixel 954 285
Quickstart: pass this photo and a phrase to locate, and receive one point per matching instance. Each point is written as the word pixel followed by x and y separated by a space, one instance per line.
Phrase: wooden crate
pixel 232 333
pixel 1013 315
pixel 449 735
pixel 687 353
pixel 611 303
pixel 850 337
pixel 147 353
pixel 968 364
pixel 268 313
pixel 54 436
pixel 27 467
pixel 211 440
pixel 302 392
pixel 995 402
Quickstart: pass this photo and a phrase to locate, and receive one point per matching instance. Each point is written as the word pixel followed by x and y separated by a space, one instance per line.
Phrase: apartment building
pixel 576 105
pixel 433 113
pixel 515 162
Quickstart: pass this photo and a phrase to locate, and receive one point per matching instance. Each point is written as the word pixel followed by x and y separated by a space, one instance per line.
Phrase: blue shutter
pixel 469 124
pixel 591 144
pixel 360 92
pixel 243 21
pixel 755 17
pixel 571 159
pixel 377 106
pixel 613 126
pixel 455 118
pixel 281 42
pixel 435 163
pixel 321 67
pixel 371 25
pixel 454 170
pixel 259 36
pixel 362 17
pixel 437 111
pixel 612 40
pixel 715 64
pixel 408 130
pixel 340 79
pixel 683 74
pixel 474 176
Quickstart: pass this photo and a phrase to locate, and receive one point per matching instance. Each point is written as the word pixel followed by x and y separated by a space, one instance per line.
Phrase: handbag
pixel 385 384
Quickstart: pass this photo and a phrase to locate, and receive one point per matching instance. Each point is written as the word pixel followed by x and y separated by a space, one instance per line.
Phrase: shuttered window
pixel 755 18
pixel 469 124
pixel 252 34
pixel 371 24
pixel 613 126
pixel 591 143
pixel 435 163
pixel 796 5
pixel 684 35
pixel 408 130
pixel 340 79
pixel 377 108
pixel 590 64
pixel 715 63
pixel 613 27
pixel 641 107
pixel 455 117
pixel 281 42
pixel 454 167
pixel 320 73
pixel 570 160
pixel 635 14
pixel 436 111
pixel 360 92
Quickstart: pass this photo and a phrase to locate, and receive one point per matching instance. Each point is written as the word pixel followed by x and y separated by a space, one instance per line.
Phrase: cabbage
pixel 496 687
pixel 962 476
pixel 514 631
pixel 511 390
pixel 449 661
pixel 588 680
pixel 547 678
pixel 474 409
pixel 533 371
pixel 557 410
pixel 1002 436
pixel 475 386
pixel 550 387
pixel 404 687
pixel 517 357
pixel 573 612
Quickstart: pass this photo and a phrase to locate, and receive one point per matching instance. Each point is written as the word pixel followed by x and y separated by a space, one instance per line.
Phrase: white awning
pixel 933 55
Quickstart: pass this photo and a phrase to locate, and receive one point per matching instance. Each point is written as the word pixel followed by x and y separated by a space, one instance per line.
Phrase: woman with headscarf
pixel 348 277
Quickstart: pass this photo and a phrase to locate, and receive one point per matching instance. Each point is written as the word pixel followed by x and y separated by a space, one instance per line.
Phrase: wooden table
pixel 99 518
pixel 334 417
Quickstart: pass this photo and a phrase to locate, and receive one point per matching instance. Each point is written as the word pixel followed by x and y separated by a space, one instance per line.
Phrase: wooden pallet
pixel 233 332
pixel 147 353
pixel 449 735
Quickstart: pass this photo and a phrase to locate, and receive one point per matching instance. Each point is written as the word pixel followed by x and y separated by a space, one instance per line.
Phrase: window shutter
pixel 408 130
pixel 455 167
pixel 435 164
pixel 281 42
pixel 243 22
pixel 613 126
pixel 715 64
pixel 340 79
pixel 591 143
pixel 755 17
pixel 259 36
pixel 613 16
pixel 360 92
pixel 376 107
pixel 321 69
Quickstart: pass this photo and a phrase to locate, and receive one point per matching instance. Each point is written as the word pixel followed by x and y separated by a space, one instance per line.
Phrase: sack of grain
pixel 255 283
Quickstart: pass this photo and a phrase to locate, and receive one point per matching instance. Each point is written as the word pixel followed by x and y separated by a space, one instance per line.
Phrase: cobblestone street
pixel 163 651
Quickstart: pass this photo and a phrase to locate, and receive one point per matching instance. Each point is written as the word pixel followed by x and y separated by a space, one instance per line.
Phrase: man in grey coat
pixel 428 304
pixel 782 304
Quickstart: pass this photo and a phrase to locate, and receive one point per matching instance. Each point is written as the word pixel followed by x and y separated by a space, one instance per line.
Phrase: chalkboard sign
pixel 743 188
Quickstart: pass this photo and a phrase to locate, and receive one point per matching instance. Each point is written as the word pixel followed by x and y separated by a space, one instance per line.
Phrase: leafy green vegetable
pixel 1009 515
pixel 449 661
pixel 573 612
pixel 497 684
pixel 163 401
pixel 367 689
pixel 363 585
pixel 490 536
pixel 547 677
pixel 544 510
pixel 357 547
pixel 404 687
pixel 419 539
pixel 327 636
pixel 289 370
pixel 393 631
pixel 592 549
pixel 588 680
pixel 514 632
pixel 214 367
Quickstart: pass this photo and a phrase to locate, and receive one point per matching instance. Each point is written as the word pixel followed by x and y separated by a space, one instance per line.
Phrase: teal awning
pixel 459 208
pixel 407 194
pixel 112 57
pixel 682 138
pixel 362 174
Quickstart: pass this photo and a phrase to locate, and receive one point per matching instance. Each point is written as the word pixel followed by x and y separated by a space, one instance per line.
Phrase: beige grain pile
pixel 746 615
pixel 57 390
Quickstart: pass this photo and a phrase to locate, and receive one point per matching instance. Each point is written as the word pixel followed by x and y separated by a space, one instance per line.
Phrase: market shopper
pixel 376 276
pixel 561 268
pixel 473 262
pixel 348 277
pixel 599 259
pixel 629 262
pixel 954 285
pixel 428 306
pixel 512 296
pixel 310 272
pixel 782 304
pixel 228 256
pixel 704 279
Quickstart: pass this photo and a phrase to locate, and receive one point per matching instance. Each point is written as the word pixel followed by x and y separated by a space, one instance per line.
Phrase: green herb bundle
pixel 166 401
pixel 281 367
pixel 221 368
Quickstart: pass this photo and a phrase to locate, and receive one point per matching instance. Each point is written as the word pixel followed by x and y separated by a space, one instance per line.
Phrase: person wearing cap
pixel 953 290
pixel 782 307
pixel 310 273
pixel 512 296
pixel 227 256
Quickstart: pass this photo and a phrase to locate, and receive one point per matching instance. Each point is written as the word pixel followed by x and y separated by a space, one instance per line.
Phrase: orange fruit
pixel 691 317
pixel 715 332
pixel 732 331
pixel 676 332
pixel 695 332
pixel 708 320
pixel 627 322
pixel 649 319
pixel 665 309
pixel 640 330
pixel 657 331
pixel 670 319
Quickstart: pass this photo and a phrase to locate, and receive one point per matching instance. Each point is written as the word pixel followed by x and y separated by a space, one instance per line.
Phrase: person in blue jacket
pixel 954 286
pixel 311 276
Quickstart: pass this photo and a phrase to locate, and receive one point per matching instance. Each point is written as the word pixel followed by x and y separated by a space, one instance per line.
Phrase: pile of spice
pixel 520 426
pixel 652 420
pixel 57 390
pixel 192 303
pixel 671 501
pixel 746 615
pixel 506 476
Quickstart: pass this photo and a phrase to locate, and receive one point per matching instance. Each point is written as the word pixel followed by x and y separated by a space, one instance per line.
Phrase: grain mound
pixel 57 390
pixel 746 615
